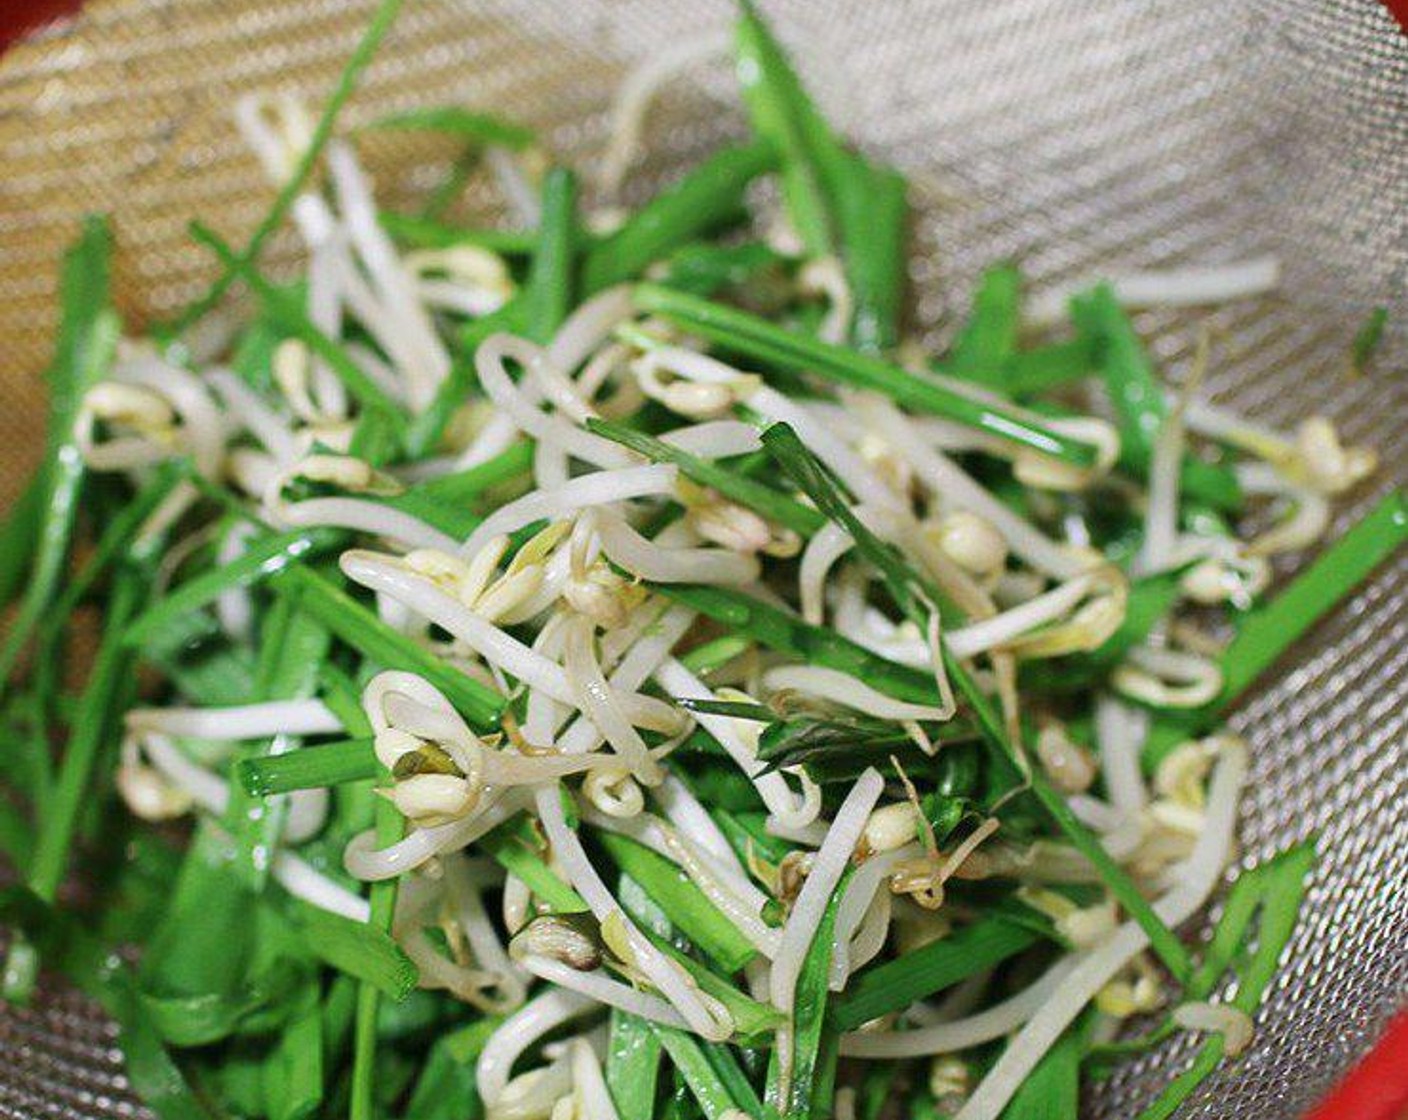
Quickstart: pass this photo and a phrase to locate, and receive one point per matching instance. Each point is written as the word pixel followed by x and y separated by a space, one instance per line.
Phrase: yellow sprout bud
pixel 1067 764
pixel 1330 467
pixel 391 743
pixel 890 827
pixel 433 798
pixel 973 543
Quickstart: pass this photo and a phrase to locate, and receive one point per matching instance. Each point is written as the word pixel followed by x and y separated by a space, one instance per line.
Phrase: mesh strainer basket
pixel 1067 136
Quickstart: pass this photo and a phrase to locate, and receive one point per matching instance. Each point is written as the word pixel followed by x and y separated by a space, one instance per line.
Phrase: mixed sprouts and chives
pixel 608 670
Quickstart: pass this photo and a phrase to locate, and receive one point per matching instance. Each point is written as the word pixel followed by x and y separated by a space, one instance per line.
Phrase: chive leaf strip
pixel 328 764
pixel 1284 891
pixel 632 1066
pixel 787 633
pixel 385 646
pixel 455 120
pixel 420 232
pixel 782 114
pixel 517 849
pixel 361 56
pixel 360 949
pixel 896 984
pixel 288 313
pixel 18 535
pixel 799 1082
pixel 907 588
pixel 90 732
pixel 716 1097
pixel 262 560
pixel 757 496
pixel 1052 1090
pixel 872 210
pixel 1138 398
pixel 88 332
pixel 364 1033
pixel 547 296
pixel 1269 630
pixel 707 197
pixel 761 340
pixel 686 906
pixel 988 340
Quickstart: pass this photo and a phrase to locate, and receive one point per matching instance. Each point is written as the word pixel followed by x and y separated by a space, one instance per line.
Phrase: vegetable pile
pixel 604 669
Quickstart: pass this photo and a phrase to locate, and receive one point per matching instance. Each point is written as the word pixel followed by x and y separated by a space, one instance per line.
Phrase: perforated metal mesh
pixel 1068 136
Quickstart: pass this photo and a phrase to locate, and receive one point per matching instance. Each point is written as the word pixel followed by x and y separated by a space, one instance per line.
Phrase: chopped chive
pixel 88 332
pixel 896 984
pixel 389 824
pixel 294 1073
pixel 800 1077
pixel 455 120
pixel 633 1052
pixel 761 498
pixel 421 232
pixel 1052 1089
pixel 872 212
pixel 988 340
pixel 1368 339
pixel 473 481
pixel 704 268
pixel 1043 367
pixel 289 314
pixel 779 630
pixel 363 950
pixel 707 197
pixel 762 340
pixel 1274 627
pixel 18 535
pixel 686 906
pixel 90 732
pixel 328 764
pixel 783 115
pixel 296 183
pixel 547 296
pixel 385 646
pixel 1138 398
pixel 716 1096
pixel 262 560
pixel 516 848
pixel 704 658
pixel 1271 629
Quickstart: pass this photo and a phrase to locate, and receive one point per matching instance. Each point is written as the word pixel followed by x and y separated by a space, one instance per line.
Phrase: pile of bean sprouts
pixel 553 602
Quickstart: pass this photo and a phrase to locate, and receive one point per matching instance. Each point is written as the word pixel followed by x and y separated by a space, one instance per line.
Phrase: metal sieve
pixel 1067 136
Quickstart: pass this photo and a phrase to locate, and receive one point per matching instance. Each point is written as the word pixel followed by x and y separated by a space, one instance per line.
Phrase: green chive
pixel 428 233
pixel 329 764
pixel 361 56
pixel 262 560
pixel 758 339
pixel 896 984
pixel 455 120
pixel 385 646
pixel 632 1066
pixel 686 906
pixel 709 196
pixel 757 496
pixel 547 296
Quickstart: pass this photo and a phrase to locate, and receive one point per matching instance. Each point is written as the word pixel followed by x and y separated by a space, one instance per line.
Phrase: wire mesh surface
pixel 1067 136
